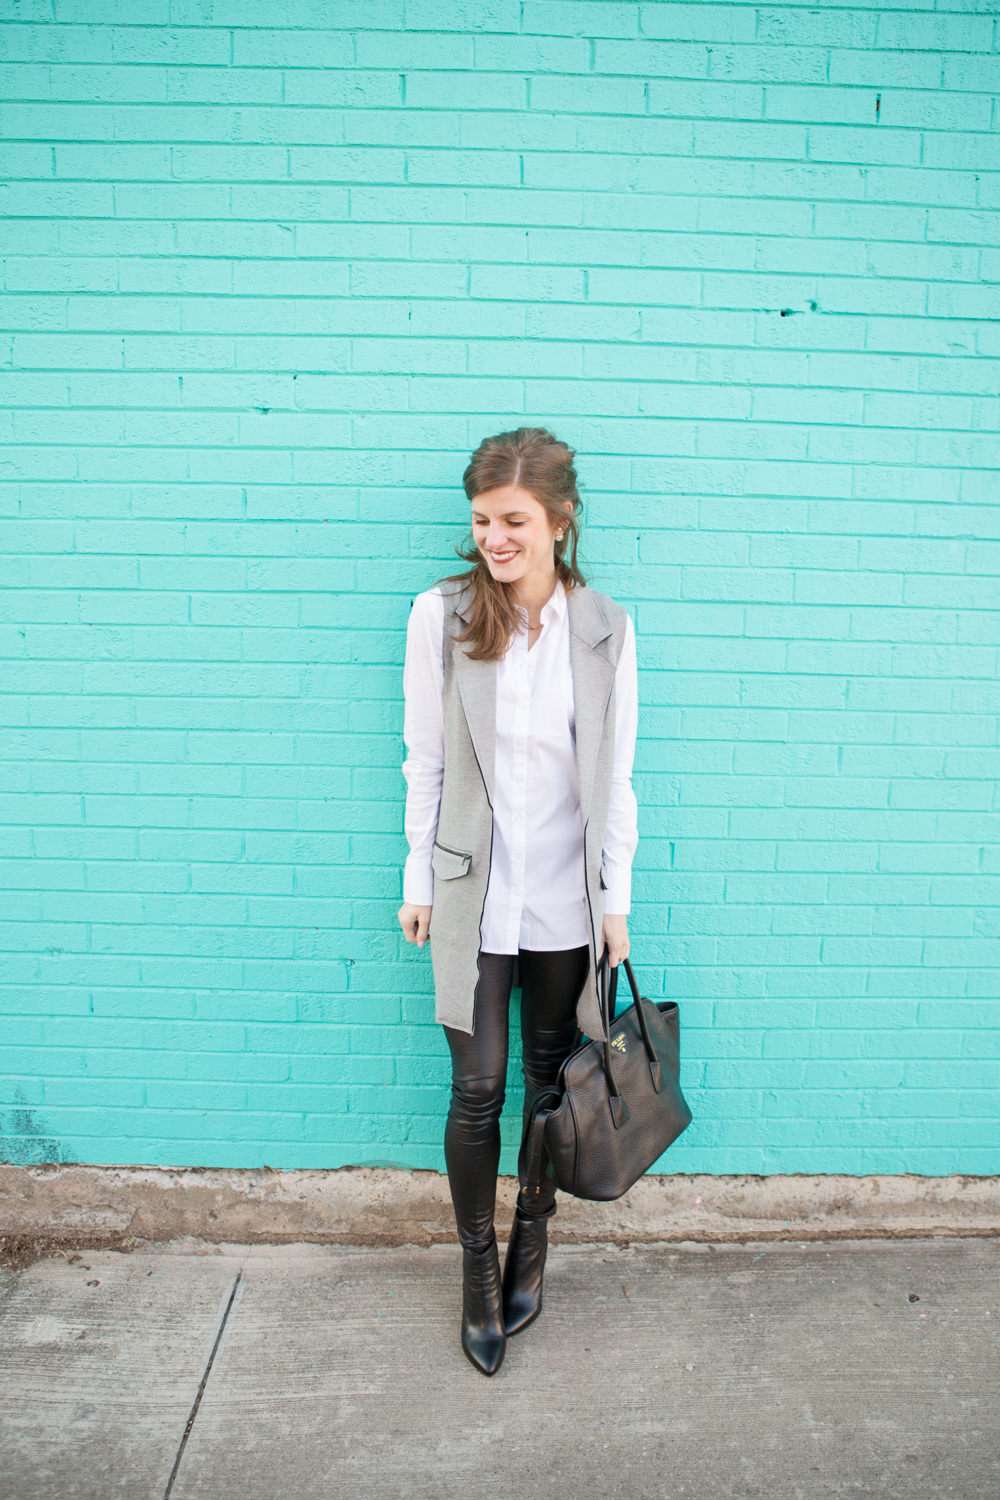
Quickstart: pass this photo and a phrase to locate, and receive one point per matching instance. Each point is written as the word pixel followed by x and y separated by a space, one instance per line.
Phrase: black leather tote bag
pixel 616 1105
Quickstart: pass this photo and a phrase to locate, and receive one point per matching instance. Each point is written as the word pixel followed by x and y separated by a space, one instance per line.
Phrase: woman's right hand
pixel 415 922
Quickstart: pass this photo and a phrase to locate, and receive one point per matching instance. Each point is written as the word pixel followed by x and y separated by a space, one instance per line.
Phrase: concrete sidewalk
pixel 866 1369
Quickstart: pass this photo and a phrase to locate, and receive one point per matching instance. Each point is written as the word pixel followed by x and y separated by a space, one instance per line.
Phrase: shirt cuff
pixel 617 892
pixel 418 881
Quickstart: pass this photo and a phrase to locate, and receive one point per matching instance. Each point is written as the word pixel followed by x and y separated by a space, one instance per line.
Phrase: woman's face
pixel 514 534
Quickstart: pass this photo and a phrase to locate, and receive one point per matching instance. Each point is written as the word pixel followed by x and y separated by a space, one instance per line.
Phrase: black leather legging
pixel 550 986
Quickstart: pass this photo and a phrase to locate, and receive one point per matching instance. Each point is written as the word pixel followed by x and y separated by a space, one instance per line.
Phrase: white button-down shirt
pixel 536 895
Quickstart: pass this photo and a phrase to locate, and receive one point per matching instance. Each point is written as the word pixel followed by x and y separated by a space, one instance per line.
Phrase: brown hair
pixel 539 463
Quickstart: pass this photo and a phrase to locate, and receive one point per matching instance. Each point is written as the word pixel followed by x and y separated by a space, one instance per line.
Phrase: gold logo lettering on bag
pixel 619 1041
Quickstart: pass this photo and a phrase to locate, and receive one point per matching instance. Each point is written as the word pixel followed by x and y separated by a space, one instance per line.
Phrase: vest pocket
pixel 449 864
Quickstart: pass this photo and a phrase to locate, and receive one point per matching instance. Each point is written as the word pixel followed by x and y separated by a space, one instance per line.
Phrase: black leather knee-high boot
pixel 472 1156
pixel 484 1338
pixel 551 984
pixel 522 1271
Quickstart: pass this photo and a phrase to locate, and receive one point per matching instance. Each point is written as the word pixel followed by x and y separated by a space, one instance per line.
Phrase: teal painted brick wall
pixel 269 273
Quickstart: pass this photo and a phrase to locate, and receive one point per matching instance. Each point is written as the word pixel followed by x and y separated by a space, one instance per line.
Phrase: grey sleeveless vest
pixel 462 849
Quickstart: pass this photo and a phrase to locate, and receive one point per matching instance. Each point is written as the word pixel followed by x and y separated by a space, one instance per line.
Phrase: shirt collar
pixel 554 607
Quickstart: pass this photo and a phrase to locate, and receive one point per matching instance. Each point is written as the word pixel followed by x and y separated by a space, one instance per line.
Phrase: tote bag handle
pixel 607 994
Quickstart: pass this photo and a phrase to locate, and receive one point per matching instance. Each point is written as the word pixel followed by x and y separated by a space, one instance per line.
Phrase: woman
pixel 520 723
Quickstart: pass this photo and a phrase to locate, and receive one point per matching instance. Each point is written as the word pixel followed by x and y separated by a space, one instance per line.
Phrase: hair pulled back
pixel 536 461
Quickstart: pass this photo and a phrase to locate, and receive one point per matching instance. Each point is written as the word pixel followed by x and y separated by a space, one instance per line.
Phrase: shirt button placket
pixel 520 763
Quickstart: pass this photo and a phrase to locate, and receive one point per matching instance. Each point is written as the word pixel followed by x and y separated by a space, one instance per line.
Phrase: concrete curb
pixel 389 1206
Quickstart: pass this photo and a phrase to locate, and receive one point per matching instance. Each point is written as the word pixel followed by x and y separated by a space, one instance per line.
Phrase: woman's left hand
pixel 614 933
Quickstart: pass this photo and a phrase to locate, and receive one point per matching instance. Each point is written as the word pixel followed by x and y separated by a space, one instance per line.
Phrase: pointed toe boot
pixel 522 1272
pixel 483 1337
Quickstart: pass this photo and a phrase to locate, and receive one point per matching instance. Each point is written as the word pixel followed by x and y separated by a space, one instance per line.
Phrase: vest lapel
pixel 477 686
pixel 593 680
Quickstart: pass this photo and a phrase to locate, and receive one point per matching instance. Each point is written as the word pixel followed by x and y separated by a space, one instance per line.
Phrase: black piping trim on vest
pixel 489 871
pixel 586 882
pixel 489 863
pixel 590 909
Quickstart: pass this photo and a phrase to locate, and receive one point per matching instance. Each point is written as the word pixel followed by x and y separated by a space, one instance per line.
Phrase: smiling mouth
pixel 503 557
